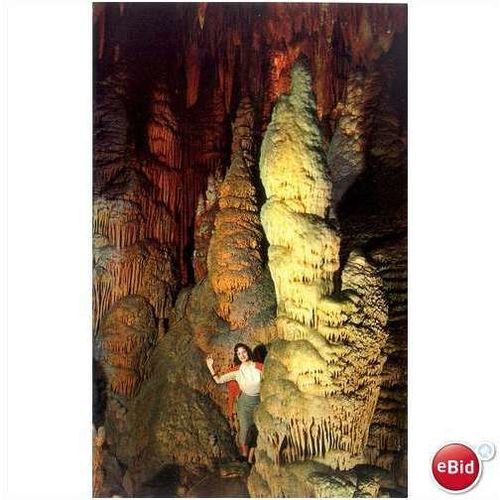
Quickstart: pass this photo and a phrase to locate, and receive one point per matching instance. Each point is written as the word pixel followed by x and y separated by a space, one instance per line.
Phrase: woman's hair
pixel 259 353
pixel 247 349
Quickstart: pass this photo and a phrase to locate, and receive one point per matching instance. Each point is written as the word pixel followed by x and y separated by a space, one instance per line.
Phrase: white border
pixel 453 264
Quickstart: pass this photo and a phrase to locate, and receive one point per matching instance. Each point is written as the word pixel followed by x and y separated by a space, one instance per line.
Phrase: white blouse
pixel 248 377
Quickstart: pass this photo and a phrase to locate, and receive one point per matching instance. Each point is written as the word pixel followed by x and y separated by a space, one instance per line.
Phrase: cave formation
pixel 250 185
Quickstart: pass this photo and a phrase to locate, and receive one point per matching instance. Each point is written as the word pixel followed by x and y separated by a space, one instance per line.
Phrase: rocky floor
pixel 229 480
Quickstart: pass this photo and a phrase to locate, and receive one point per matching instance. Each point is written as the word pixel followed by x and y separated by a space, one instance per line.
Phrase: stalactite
pixel 202 10
pixel 195 140
pixel 204 136
pixel 106 174
pixel 323 79
pixel 179 191
pixel 110 141
pixel 102 287
pixel 134 258
pixel 187 154
pixel 158 222
pixel 142 269
pixel 228 66
pixel 99 18
pixel 120 221
pixel 169 183
pixel 192 65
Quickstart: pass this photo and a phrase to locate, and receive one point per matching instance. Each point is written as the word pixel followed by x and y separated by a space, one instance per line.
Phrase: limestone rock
pixel 127 337
pixel 208 206
pixel 348 148
pixel 127 211
pixel 164 129
pixel 387 441
pixel 165 98
pixel 292 163
pixel 172 420
pixel 98 440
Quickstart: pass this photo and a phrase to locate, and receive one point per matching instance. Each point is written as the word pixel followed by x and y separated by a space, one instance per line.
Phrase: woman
pixel 248 376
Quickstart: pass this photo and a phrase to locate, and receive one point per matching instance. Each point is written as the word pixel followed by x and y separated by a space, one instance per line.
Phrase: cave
pixel 250 186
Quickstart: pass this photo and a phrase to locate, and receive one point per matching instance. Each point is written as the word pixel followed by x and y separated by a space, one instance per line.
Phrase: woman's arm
pixel 219 379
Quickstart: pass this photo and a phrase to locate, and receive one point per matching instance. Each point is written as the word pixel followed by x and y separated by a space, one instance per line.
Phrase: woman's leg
pixel 243 420
pixel 246 406
pixel 251 442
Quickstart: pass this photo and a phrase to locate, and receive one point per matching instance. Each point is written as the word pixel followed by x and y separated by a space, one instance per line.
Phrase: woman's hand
pixel 210 362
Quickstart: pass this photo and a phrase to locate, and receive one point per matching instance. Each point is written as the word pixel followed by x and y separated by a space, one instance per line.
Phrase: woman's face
pixel 242 354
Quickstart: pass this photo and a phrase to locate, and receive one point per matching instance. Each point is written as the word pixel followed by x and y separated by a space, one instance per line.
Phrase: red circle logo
pixel 456 467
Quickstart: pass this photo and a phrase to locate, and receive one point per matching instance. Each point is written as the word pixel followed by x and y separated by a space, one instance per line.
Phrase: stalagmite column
pixel 235 259
pixel 322 378
pixel 303 253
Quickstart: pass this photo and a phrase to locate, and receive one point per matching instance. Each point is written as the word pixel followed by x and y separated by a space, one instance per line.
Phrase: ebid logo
pixel 457 468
